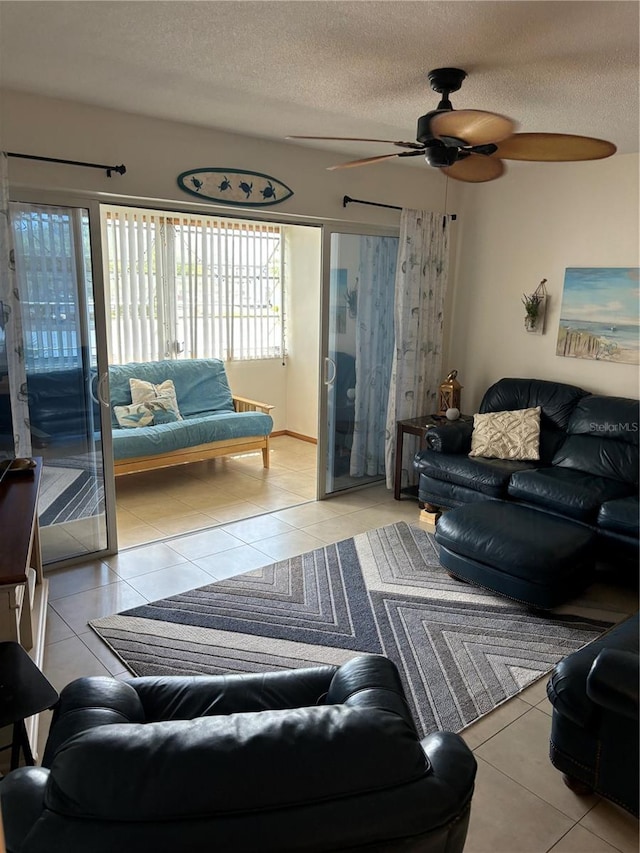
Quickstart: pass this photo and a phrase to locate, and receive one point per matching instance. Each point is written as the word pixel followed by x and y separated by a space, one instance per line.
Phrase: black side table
pixel 24 691
pixel 416 426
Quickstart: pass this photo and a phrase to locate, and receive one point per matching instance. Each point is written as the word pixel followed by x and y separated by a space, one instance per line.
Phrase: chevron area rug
pixel 72 490
pixel 460 650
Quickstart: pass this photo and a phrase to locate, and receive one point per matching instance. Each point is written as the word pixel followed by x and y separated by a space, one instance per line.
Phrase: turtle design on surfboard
pixel 232 186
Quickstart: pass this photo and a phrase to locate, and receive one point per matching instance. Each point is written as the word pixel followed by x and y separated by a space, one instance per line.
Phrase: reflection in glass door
pixel 54 275
pixel 359 357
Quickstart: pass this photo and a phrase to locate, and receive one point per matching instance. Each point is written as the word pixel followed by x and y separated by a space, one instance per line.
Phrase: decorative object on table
pixel 452 414
pixel 599 314
pixel 232 186
pixel 449 393
pixel 535 306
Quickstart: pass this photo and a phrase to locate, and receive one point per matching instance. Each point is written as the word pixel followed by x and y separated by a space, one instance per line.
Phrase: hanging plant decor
pixel 535 306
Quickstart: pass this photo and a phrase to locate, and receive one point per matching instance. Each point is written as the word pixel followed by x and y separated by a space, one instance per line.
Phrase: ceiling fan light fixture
pixel 437 154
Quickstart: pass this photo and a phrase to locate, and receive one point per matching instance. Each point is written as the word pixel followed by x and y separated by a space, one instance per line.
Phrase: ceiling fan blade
pixel 357 139
pixel 472 127
pixel 363 162
pixel 475 169
pixel 554 147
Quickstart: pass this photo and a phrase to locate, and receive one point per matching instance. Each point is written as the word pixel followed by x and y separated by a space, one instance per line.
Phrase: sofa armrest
pixel 453 438
pixel 612 682
pixel 87 703
pixel 243 404
pixel 370 681
pixel 22 795
pixel 451 781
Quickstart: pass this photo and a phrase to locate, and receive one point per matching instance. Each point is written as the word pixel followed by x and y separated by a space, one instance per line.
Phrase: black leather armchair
pixel 594 732
pixel 317 759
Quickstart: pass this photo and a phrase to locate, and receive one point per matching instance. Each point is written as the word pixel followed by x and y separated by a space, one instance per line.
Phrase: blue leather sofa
pixel 587 471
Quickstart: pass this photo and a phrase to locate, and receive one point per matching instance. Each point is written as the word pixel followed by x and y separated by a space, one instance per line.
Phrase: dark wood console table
pixel 416 426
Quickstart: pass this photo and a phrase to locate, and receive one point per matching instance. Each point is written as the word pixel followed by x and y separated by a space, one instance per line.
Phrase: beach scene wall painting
pixel 599 317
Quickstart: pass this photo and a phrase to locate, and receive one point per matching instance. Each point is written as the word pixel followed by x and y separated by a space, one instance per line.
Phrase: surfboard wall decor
pixel 231 186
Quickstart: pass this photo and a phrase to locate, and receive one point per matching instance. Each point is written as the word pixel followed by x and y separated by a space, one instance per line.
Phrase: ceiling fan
pixel 470 145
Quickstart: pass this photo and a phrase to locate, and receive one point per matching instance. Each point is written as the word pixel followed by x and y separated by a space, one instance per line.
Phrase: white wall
pixel 302 369
pixel 532 224
pixel 155 152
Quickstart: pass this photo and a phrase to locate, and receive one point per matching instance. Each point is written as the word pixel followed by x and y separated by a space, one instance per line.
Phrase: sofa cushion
pixel 201 384
pixel 555 399
pixel 367 749
pixel 489 476
pixel 565 491
pixel 507 435
pixel 621 516
pixel 190 432
pixel 602 438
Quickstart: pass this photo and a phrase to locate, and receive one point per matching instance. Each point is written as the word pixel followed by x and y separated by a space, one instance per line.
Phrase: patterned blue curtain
pixel 13 372
pixel 421 283
pixel 374 353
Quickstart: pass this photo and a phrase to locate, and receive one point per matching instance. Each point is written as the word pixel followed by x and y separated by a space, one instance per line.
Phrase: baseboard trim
pixel 297 435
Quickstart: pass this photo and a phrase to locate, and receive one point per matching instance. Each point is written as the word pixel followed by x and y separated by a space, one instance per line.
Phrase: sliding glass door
pixel 54 273
pixel 359 339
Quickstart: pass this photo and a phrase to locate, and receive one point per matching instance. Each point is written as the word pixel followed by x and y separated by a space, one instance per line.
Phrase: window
pixel 184 286
pixel 53 260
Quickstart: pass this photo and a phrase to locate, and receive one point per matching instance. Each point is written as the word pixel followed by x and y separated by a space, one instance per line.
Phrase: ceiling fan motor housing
pixel 424 133
pixel 437 154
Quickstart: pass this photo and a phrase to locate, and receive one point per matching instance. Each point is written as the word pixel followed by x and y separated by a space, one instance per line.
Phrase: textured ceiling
pixel 335 67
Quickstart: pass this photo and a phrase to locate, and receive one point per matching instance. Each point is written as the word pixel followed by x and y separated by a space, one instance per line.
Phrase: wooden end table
pixel 416 426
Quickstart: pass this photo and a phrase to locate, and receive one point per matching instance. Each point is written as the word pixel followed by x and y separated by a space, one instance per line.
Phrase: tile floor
pixel 520 804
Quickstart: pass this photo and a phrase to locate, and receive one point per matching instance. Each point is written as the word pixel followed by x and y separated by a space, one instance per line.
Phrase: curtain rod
pixel 119 169
pixel 348 200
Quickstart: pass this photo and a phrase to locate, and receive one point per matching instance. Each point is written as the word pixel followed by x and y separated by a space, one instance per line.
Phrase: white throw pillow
pixel 507 435
pixel 145 392
pixel 153 412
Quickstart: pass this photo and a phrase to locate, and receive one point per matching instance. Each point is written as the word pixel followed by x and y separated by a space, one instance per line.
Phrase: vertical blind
pixel 182 286
pixel 52 258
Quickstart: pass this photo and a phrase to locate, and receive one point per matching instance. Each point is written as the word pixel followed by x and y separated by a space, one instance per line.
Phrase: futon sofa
pixel 64 412
pixel 587 469
pixel 324 758
pixel 212 421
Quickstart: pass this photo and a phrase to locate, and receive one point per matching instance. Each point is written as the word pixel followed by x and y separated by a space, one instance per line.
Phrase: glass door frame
pixel 92 206
pixel 328 230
